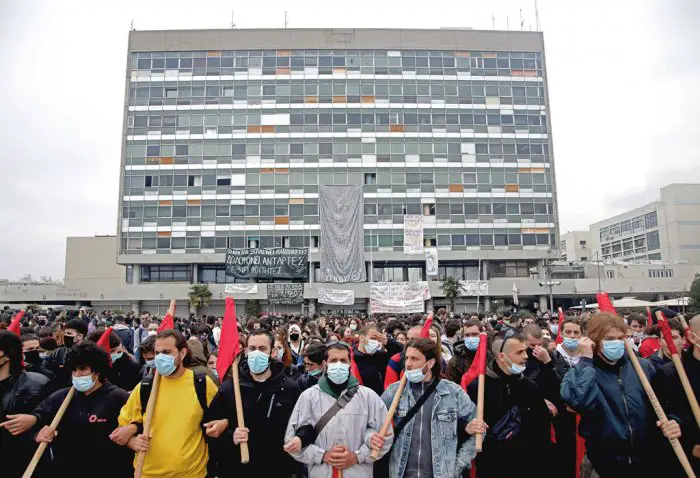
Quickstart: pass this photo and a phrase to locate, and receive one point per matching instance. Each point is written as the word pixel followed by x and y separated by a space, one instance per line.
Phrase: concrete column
pixel 136 306
pixel 660 297
pixel 541 274
pixel 367 306
pixel 484 270
pixel 369 266
pixel 195 273
pixel 311 273
pixel 312 306
pixel 487 305
pixel 137 274
pixel 544 302
pixel 429 305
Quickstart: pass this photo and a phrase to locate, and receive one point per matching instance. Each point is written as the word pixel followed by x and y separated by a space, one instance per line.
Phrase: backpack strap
pixel 343 400
pixel 200 386
pixel 145 391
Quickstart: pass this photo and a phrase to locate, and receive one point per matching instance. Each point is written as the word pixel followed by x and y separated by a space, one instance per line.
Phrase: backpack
pixel 200 387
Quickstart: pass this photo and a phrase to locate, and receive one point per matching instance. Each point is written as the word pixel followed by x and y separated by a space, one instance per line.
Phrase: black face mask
pixel 294 337
pixel 68 341
pixel 32 357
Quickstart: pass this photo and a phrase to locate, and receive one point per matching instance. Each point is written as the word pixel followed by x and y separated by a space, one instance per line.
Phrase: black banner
pixel 273 263
pixel 292 294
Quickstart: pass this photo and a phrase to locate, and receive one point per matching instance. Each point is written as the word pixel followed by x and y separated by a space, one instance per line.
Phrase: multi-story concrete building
pixel 664 230
pixel 575 246
pixel 229 133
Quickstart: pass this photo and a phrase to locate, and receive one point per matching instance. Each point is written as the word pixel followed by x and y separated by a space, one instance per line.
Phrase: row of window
pixel 629 226
pixel 336 52
pixel 660 273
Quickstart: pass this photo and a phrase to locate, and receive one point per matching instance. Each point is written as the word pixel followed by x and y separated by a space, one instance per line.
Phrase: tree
pixel 450 288
pixel 252 307
pixel 200 296
pixel 694 294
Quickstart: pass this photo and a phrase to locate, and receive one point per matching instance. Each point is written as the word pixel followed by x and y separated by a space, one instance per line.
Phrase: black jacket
pixel 372 368
pixel 545 376
pixel 125 373
pixel 670 392
pixel 126 334
pixel 306 381
pixel 267 407
pixel 82 447
pixel 506 458
pixel 459 363
pixel 19 394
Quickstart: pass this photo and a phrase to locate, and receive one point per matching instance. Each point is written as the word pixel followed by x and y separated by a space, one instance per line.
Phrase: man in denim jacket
pixel 437 442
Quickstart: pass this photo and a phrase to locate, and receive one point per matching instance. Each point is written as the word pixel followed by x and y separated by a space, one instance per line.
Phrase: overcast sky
pixel 624 77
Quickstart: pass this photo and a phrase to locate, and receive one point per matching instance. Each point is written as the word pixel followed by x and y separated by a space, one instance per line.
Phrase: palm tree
pixel 200 296
pixel 252 307
pixel 450 287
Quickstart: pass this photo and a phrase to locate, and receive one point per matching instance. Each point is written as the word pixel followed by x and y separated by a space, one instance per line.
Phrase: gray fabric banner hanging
pixel 342 234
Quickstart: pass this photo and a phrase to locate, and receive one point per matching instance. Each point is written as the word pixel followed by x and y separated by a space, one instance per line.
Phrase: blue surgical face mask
pixel 151 363
pixel 515 369
pixel 83 384
pixel 117 356
pixel 43 355
pixel 338 372
pixel 554 329
pixel 569 343
pixel 315 373
pixel 471 343
pixel 258 361
pixel 613 349
pixel 372 346
pixel 416 375
pixel 165 364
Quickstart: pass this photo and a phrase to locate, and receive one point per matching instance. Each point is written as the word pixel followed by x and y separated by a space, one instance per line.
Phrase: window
pixel 653 241
pixel 660 273
pixel 225 181
pixel 166 273
pixel 509 269
pixel 212 274
pixel 582 243
pixel 370 178
pixel 651 220
pixel 130 274
pixel 610 274
pixel 584 258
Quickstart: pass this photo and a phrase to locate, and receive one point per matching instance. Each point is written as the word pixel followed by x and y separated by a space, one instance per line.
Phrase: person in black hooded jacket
pixel 20 392
pixel 268 397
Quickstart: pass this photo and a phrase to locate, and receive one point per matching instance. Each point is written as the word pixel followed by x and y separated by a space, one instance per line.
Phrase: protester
pixel 31 350
pixel 314 366
pixel 83 435
pixel 540 366
pixel 268 396
pixel 615 412
pixel 675 403
pixel 516 415
pixel 371 358
pixel 435 336
pixel 147 351
pixel 343 442
pixel 211 363
pixel 437 423
pixel 125 333
pixel 296 343
pixel 199 361
pixel 20 393
pixel 177 447
pixel 465 351
pixel 282 352
pixel 663 355
pixel 74 333
pixel 638 324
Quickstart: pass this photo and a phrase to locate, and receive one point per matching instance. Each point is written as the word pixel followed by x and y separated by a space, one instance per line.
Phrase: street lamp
pixel 550 284
pixel 597 266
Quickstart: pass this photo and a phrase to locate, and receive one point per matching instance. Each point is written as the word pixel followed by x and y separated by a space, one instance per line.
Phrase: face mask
pixel 294 336
pixel 471 343
pixel 258 361
pixel 83 384
pixel 613 349
pixel 316 373
pixel 165 364
pixel 152 332
pixel 280 355
pixel 32 357
pixel 43 355
pixel 338 372
pixel 151 363
pixel 353 327
pixel 637 335
pixel 116 356
pixel 372 346
pixel 68 340
pixel 515 369
pixel 570 344
pixel 215 372
pixel 415 376
pixel 554 329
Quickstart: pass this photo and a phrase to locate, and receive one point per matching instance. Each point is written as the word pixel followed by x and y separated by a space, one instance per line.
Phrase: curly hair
pixel 89 354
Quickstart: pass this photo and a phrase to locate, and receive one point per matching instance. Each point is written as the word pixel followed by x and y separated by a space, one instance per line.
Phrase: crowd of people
pixel 561 396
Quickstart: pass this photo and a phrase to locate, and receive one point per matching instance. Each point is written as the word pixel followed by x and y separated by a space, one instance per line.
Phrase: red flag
pixel 668 337
pixel 580 448
pixel 425 331
pixel 650 320
pixel 104 343
pixel 229 343
pixel 604 303
pixel 14 325
pixel 168 322
pixel 560 337
pixel 478 366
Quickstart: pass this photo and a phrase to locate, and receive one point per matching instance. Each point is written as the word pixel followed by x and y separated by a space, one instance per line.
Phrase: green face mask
pixel 315 373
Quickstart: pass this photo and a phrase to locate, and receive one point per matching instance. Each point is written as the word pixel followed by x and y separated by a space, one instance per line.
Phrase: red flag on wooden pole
pixel 604 303
pixel 229 343
pixel 168 321
pixel 425 331
pixel 14 325
pixel 104 343
pixel 478 366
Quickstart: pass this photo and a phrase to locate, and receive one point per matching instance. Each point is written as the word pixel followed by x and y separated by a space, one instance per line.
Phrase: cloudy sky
pixel 624 80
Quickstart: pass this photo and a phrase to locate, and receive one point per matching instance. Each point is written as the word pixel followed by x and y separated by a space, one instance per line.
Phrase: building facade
pixel 664 230
pixel 229 133
pixel 575 246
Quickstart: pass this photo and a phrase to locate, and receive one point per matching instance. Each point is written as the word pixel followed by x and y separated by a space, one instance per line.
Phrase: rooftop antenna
pixel 132 24
pixel 537 17
pixel 233 24
pixel 285 20
pixel 493 21
pixel 522 22
pixel 507 23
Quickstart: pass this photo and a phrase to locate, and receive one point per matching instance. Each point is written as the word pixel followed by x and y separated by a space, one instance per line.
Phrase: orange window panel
pixel 283 71
pixel 456 188
pixel 296 201
pixel 524 170
pixel 535 230
pixel 194 202
pixel 282 170
pixel 167 160
pixel 213 53
pixel 367 99
pixel 340 99
pixel 488 54
pixel 512 188
pixel 165 203
pixel 310 99
pixel 463 54
pixel 267 129
pixel 537 170
pixel 339 70
pixel 164 234
pixel 255 129
pixel 516 73
pixel 530 73
pixel 281 219
pixel 396 128
pixel 267 170
pixel 284 53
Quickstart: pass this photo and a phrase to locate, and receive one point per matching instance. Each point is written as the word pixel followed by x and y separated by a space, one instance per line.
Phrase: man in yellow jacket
pixel 177 447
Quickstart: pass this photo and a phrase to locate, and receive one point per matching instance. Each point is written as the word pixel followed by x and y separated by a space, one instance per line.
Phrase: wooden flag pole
pixel 245 455
pixel 392 409
pixel 150 409
pixel 675 444
pixel 480 410
pixel 687 388
pixel 54 424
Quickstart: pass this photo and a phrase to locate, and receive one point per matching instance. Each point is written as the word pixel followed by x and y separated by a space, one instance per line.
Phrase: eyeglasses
pixel 510 333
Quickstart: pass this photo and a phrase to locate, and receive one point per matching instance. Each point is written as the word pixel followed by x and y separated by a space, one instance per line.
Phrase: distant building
pixel 575 246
